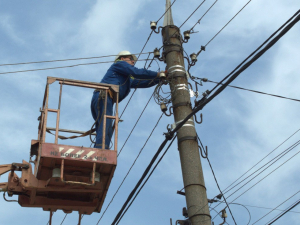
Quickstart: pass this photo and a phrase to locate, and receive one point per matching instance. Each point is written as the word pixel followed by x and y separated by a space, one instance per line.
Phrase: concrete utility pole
pixel 195 191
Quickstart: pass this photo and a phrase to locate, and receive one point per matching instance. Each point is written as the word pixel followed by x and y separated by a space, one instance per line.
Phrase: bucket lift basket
pixel 65 177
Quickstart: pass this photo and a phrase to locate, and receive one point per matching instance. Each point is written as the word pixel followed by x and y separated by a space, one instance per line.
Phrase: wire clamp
pixel 169 135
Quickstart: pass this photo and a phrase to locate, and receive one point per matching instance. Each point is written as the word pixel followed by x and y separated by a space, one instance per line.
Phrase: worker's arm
pixel 125 69
pixel 143 83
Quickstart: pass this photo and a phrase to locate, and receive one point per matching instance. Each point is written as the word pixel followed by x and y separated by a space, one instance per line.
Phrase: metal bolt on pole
pixel 195 191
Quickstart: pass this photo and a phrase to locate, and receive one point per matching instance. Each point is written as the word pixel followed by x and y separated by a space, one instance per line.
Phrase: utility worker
pixel 126 75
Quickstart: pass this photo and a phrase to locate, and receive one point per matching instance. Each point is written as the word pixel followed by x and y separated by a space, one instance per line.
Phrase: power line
pixel 216 179
pixel 63 60
pixel 237 71
pixel 225 26
pixel 265 176
pixel 63 219
pixel 130 168
pixel 245 89
pixel 192 13
pixel 279 216
pixel 121 216
pixel 275 208
pixel 262 159
pixel 260 207
pixel 60 67
pixel 135 125
pixel 279 156
pixel 203 15
pixel 243 65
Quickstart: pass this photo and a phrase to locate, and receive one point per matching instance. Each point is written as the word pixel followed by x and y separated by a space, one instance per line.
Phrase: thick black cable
pixel 276 207
pixel 192 13
pixel 135 124
pixel 259 92
pixel 279 216
pixel 146 179
pixel 62 60
pixel 130 169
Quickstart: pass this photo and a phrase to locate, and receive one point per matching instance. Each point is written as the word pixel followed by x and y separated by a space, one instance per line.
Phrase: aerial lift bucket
pixel 65 177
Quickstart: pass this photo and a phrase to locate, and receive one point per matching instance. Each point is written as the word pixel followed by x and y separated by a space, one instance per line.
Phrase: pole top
pixel 168 20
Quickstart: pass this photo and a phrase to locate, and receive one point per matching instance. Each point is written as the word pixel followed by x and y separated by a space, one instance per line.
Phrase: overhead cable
pixel 237 71
pixel 63 60
pixel 192 13
pixel 279 216
pixel 130 196
pixel 130 169
pixel 121 216
pixel 60 67
pixel 271 162
pixel 64 219
pixel 262 159
pixel 135 125
pixel 265 176
pixel 276 207
pixel 203 16
pixel 261 207
pixel 216 180
pixel 224 27
pixel 259 92
pixel 290 148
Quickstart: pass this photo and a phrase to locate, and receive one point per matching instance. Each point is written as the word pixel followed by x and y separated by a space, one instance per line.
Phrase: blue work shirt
pixel 128 76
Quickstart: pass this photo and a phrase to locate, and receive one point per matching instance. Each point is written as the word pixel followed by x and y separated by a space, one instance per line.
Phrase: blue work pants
pixel 96 100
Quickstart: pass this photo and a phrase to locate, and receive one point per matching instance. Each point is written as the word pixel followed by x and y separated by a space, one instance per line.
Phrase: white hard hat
pixel 125 53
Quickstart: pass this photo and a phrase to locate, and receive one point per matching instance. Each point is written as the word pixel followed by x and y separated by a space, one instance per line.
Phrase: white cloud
pixel 8 26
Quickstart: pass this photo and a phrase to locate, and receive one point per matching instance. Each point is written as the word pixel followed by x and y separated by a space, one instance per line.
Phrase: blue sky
pixel 239 127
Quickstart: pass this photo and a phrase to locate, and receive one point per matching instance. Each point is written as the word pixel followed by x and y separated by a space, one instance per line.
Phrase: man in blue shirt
pixel 127 76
